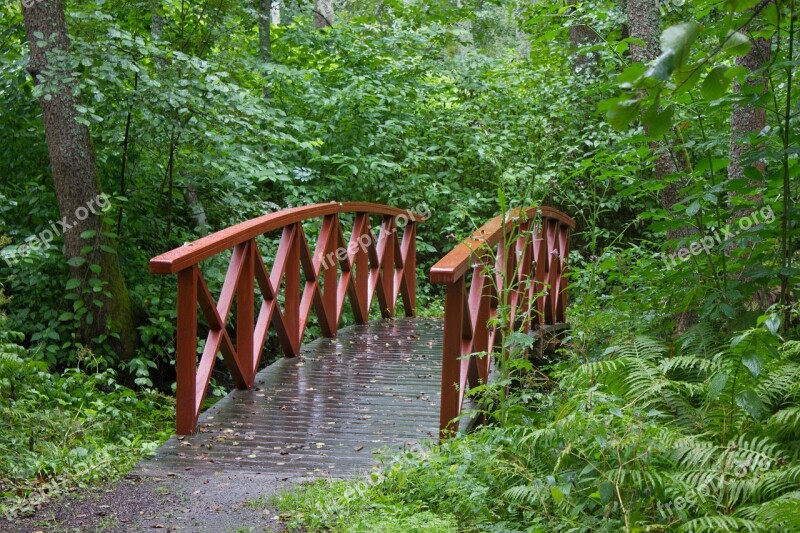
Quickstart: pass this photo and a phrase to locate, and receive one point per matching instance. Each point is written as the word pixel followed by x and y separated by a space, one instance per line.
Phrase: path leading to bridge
pixel 327 413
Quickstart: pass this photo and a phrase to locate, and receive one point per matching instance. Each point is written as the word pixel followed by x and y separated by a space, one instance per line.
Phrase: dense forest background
pixel 668 130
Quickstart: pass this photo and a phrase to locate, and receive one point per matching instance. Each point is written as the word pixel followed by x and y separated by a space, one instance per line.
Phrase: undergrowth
pixel 65 430
pixel 690 435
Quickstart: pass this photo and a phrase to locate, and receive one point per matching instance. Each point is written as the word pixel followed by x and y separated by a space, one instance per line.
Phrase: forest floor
pixel 223 503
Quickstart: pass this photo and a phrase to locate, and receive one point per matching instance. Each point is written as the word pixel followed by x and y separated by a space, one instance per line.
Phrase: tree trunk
pixel 264 10
pixel 323 13
pixel 77 188
pixel 275 12
pixel 196 209
pixel 156 20
pixel 580 35
pixel 523 39
pixel 748 119
pixel 643 24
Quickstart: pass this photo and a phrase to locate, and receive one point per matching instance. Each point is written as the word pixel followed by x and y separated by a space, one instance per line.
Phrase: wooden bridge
pixel 327 405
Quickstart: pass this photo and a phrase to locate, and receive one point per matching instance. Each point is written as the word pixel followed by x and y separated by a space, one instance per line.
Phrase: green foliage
pixel 645 437
pixel 64 430
pixel 439 103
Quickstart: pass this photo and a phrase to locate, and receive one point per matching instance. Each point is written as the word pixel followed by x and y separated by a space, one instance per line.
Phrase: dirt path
pixel 175 503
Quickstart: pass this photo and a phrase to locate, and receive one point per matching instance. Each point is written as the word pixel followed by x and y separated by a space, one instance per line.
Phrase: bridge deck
pixel 324 413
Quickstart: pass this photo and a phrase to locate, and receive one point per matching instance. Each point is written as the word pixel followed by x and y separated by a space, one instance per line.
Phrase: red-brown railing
pixel 358 270
pixel 536 295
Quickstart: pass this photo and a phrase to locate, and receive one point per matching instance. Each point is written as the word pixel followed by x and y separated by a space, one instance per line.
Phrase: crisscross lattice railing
pixel 523 254
pixel 357 270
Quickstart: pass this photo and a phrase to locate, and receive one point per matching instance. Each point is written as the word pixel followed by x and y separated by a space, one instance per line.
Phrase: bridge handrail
pixel 194 252
pixel 337 270
pixel 456 263
pixel 528 246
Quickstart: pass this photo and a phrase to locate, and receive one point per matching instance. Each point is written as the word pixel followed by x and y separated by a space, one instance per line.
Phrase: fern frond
pixel 786 421
pixel 778 482
pixel 717 523
pixel 780 514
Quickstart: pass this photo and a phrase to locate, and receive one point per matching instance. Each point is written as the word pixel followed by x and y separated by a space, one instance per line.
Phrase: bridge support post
pixel 245 315
pixel 186 356
pixel 452 393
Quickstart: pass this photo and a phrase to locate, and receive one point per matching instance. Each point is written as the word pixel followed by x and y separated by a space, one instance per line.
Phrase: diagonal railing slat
pixel 520 258
pixel 298 283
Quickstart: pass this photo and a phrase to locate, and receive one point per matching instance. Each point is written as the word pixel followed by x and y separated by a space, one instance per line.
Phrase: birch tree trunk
pixel 323 13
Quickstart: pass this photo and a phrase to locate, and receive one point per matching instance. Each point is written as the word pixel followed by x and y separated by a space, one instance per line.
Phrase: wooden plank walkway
pixel 325 413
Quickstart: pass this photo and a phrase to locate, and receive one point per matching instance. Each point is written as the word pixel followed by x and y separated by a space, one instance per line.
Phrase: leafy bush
pixel 67 429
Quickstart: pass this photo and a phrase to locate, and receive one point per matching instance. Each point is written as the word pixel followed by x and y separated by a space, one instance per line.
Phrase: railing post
pixel 186 356
pixel 291 295
pixel 451 354
pixel 362 270
pixel 245 290
pixel 388 234
pixel 410 267
pixel 328 276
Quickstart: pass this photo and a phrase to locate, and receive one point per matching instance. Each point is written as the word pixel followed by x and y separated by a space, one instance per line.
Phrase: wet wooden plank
pixel 329 411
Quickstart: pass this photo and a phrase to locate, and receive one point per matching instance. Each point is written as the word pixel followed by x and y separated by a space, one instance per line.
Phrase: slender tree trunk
pixel 580 35
pixel 156 20
pixel 275 12
pixel 196 209
pixel 466 39
pixel 747 119
pixel 323 13
pixel 76 185
pixel 643 23
pixel 523 39
pixel 264 10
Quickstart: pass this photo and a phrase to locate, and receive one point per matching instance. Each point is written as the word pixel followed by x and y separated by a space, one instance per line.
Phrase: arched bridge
pixel 328 403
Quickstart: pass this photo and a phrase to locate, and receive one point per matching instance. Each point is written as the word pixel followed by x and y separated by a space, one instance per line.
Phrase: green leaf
pixel 658 122
pixel 693 208
pixel 717 385
pixel 754 363
pixel 557 494
pixel 736 44
pixel 606 491
pixel 76 261
pixel 620 113
pixel 72 284
pixel 630 75
pixel 773 324
pixel 678 39
pixel 686 78
pixel 750 403
pixel 662 67
pixel 715 84
pixel 88 234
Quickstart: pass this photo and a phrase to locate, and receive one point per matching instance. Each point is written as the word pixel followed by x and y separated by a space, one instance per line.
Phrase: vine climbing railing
pixel 358 270
pixel 521 255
